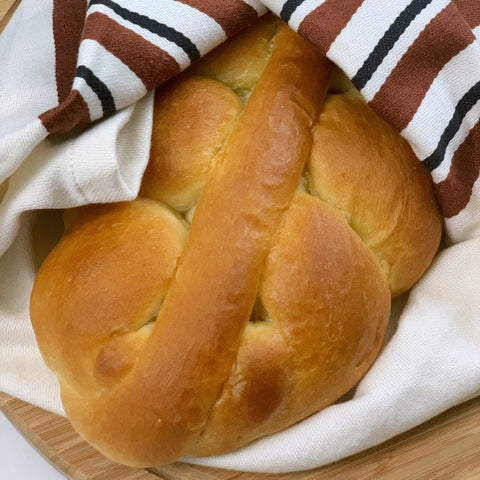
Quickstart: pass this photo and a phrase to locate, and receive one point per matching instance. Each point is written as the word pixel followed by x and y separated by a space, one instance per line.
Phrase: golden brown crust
pixel 94 287
pixel 239 63
pixel 322 318
pixel 172 339
pixel 191 120
pixel 363 167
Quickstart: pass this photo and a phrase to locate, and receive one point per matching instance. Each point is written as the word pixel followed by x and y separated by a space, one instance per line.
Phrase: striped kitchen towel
pixel 416 62
pixel 75 122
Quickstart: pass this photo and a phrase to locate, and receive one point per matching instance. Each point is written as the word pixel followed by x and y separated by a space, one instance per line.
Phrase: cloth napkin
pixel 75 120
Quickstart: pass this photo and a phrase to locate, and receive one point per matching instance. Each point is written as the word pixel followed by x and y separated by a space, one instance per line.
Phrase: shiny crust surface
pixel 249 285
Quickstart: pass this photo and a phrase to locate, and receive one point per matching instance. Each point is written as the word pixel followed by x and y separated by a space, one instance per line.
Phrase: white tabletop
pixel 19 460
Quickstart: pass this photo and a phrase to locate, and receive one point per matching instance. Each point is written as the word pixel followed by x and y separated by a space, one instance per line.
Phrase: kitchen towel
pixel 75 120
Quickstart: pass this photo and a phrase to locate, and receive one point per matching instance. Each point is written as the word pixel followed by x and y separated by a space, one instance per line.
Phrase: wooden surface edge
pixel 4 398
pixel 445 447
pixel 7 9
pixel 7 406
pixel 55 439
pixel 184 471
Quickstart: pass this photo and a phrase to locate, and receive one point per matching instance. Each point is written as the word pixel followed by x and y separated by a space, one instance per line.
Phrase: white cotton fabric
pixel 125 84
pixel 23 55
pixel 469 121
pixel 303 9
pixel 102 164
pixel 346 45
pixel 187 20
pixel 437 108
pixel 431 363
pixel 466 224
pixel 408 37
pixel 170 47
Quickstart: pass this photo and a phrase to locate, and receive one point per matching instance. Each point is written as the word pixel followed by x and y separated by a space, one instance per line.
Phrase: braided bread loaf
pixel 250 284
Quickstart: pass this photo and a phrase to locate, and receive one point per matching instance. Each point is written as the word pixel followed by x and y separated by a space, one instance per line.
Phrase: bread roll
pixel 249 285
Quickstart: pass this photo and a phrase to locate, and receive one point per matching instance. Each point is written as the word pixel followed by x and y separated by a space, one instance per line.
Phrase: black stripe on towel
pixel 289 8
pixel 153 26
pixel 388 40
pixel 463 107
pixel 101 90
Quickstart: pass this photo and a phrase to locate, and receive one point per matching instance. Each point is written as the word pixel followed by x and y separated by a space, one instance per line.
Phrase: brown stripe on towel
pixel 322 26
pixel 231 15
pixel 470 9
pixel 65 117
pixel 68 22
pixel 454 192
pixel 150 63
pixel 403 91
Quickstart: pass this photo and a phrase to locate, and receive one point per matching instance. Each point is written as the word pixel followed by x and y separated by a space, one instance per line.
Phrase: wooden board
pixel 447 447
pixel 7 7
